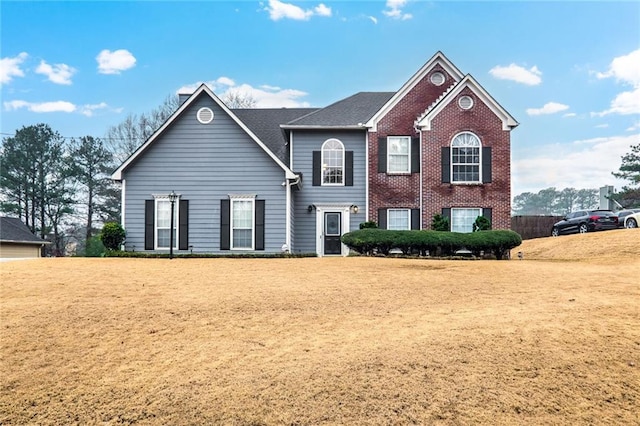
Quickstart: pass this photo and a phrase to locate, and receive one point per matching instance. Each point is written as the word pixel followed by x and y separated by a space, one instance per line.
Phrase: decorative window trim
pixel 205 115
pixel 408 218
pixel 237 198
pixel 469 218
pixel 437 78
pixel 161 199
pixel 408 155
pixel 466 144
pixel 341 167
pixel 465 102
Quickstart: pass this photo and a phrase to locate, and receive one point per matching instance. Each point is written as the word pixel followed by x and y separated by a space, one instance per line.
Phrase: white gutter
pixel 366 175
pixel 123 198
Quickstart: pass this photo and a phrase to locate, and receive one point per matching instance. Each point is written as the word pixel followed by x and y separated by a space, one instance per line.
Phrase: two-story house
pixel 269 180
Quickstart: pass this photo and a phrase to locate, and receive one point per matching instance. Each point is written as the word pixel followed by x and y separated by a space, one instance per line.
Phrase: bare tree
pixel 239 99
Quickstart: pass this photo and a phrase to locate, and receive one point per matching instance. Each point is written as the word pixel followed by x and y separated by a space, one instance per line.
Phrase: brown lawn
pixel 551 339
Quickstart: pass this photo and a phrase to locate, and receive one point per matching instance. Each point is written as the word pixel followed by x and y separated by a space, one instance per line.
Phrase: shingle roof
pixel 265 123
pixel 348 112
pixel 12 229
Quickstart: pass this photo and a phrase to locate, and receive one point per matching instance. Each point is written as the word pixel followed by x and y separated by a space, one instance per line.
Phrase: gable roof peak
pixel 437 59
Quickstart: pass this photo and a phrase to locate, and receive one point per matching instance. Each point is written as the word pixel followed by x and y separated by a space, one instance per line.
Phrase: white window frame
pixel 470 137
pixel 408 154
pixel 325 166
pixel 235 200
pixel 161 199
pixel 469 217
pixel 408 213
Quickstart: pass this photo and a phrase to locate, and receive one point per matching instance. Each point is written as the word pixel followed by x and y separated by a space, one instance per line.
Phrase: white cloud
pixel 279 10
pixel 513 72
pixel 322 10
pixel 10 67
pixel 625 70
pixel 581 164
pixel 57 73
pixel 114 62
pixel 624 103
pixel 266 96
pixel 226 81
pixel 548 108
pixel 394 10
pixel 602 126
pixel 88 110
pixel 56 106
pixel 373 19
pixel 570 114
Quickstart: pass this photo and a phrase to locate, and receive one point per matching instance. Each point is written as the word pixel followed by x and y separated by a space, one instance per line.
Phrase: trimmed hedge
pixel 433 243
pixel 151 255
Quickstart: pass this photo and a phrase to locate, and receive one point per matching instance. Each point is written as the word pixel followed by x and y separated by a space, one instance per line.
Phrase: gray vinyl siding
pixel 204 163
pixel 304 143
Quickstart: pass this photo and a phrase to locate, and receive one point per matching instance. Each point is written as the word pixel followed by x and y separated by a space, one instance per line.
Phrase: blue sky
pixel 569 72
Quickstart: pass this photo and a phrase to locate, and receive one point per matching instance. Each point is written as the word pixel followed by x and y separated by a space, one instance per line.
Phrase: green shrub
pixel 481 224
pixel 94 248
pixel 368 225
pixel 440 223
pixel 112 235
pixel 435 243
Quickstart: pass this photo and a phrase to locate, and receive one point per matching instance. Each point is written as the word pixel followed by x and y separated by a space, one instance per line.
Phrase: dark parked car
pixel 585 221
pixel 622 214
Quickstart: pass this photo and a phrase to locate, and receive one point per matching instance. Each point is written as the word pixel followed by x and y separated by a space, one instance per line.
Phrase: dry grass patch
pixel 321 341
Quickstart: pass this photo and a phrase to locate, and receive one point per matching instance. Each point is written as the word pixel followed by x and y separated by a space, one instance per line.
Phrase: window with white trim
pixel 465 158
pixel 399 154
pixel 462 219
pixel 332 162
pixel 242 223
pixel 399 219
pixel 163 223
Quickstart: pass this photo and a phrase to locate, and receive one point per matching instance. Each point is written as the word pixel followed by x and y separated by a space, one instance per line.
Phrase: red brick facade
pixel 403 191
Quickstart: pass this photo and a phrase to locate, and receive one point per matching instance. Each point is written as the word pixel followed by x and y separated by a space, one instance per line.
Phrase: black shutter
pixel 317 168
pixel 382 218
pixel 415 155
pixel 487 213
pixel 382 155
pixel 445 162
pixel 183 229
pixel 447 213
pixel 225 227
pixel 149 224
pixel 415 218
pixel 486 164
pixel 259 225
pixel 348 168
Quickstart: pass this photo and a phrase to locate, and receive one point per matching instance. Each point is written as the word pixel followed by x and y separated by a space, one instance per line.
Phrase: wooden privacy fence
pixel 533 226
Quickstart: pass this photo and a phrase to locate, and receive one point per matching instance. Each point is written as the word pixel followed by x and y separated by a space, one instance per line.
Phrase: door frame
pixel 345 226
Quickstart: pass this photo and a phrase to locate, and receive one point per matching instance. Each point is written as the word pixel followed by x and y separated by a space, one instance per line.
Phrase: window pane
pixel 163 214
pixel 242 224
pixel 398 154
pixel 242 238
pixel 332 162
pixel 398 220
pixel 462 219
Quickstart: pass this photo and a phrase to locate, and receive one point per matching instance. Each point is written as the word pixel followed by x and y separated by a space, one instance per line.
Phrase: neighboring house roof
pixel 437 59
pixel 347 113
pixel 117 175
pixel 265 124
pixel 508 122
pixel 12 230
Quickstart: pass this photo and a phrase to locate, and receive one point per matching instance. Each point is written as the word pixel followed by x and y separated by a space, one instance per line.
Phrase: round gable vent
pixel 437 78
pixel 465 102
pixel 205 115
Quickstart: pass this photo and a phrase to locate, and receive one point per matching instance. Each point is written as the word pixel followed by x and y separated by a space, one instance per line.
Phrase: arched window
pixel 333 162
pixel 465 158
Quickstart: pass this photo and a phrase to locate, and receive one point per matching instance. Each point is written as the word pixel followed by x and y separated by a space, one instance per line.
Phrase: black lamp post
pixel 172 198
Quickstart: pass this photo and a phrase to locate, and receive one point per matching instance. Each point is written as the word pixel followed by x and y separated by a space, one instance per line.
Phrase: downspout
pixel 123 198
pixel 288 184
pixel 421 183
pixel 366 175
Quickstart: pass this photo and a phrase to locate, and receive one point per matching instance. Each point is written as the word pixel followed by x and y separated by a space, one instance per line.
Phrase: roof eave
pixel 319 127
